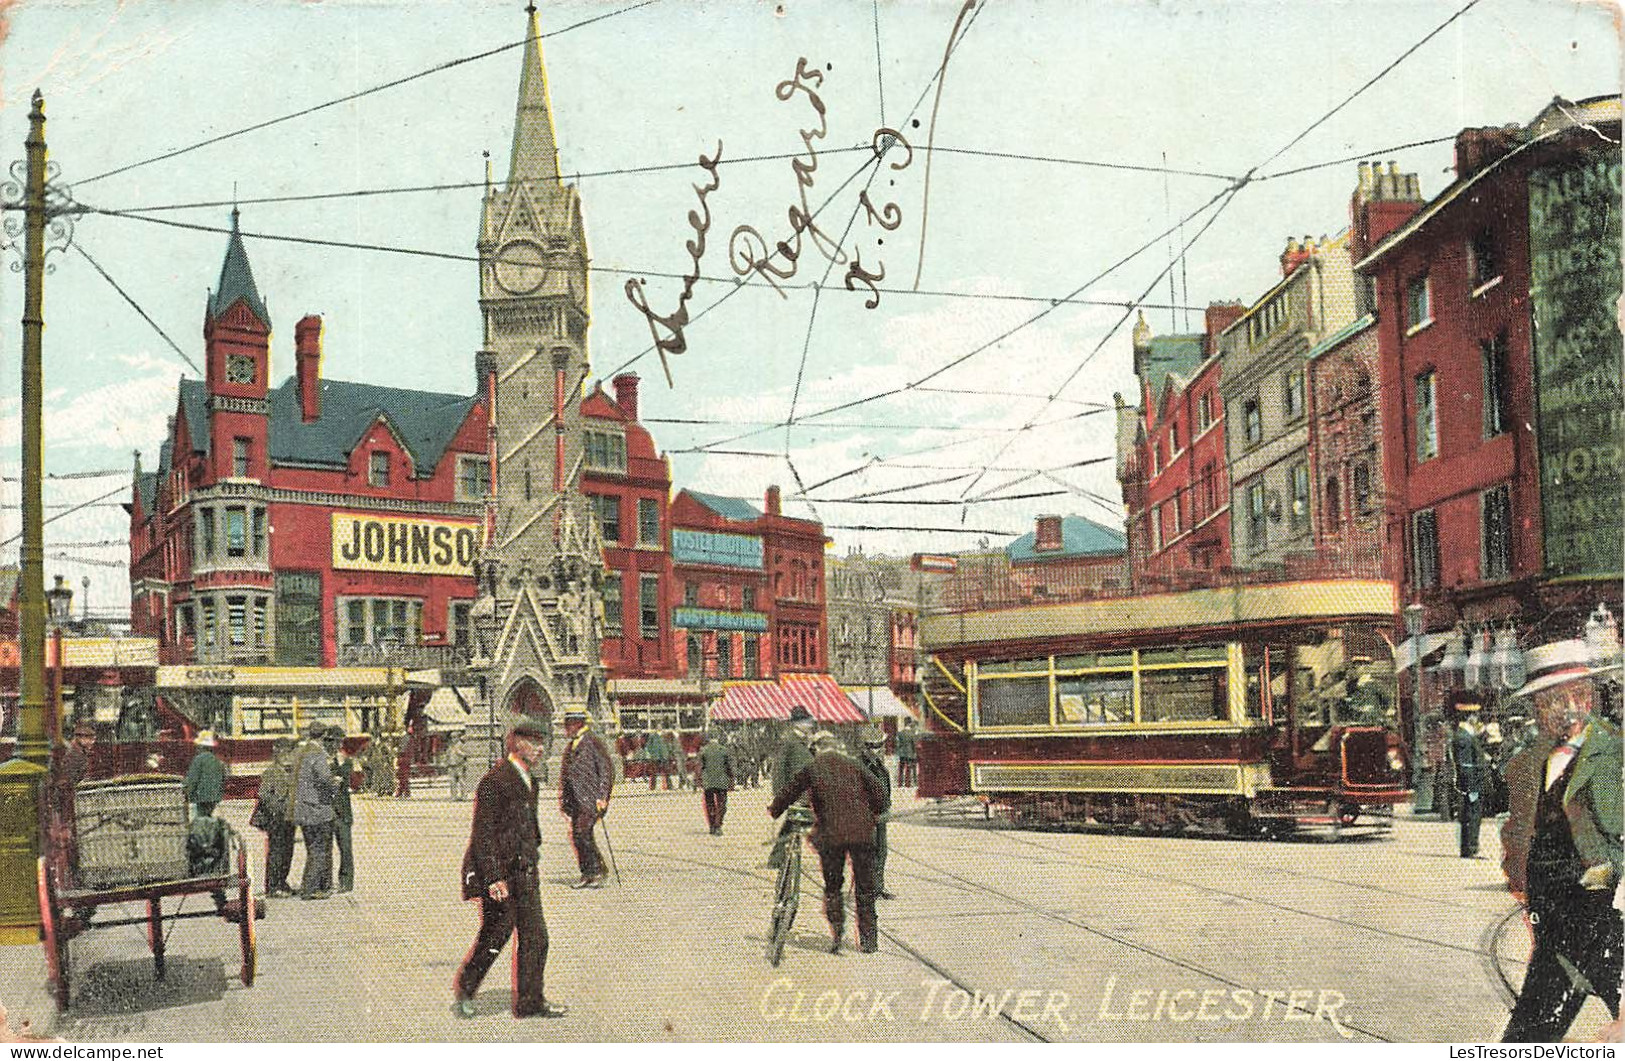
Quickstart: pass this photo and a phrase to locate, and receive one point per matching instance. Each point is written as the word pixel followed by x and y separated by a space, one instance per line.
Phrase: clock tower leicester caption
pixel 542 563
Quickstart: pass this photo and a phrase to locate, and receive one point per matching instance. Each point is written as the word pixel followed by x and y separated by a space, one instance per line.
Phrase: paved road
pixel 997 934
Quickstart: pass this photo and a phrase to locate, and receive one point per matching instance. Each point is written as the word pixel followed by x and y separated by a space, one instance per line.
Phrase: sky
pixel 988 365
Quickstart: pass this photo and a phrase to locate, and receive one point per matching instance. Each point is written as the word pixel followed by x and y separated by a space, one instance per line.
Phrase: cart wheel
pixel 155 935
pixel 245 923
pixel 55 942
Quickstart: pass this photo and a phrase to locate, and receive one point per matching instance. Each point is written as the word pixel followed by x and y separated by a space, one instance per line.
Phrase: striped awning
pixel 819 694
pixel 750 702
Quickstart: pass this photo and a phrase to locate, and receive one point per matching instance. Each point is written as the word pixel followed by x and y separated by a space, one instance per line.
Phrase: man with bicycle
pixel 847 801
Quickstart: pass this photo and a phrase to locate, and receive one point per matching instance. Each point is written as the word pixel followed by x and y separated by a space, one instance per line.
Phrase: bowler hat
pixel 204 739
pixel 529 728
pixel 1559 663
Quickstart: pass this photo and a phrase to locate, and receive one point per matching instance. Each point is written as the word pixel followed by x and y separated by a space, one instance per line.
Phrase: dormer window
pixel 378 469
pixel 606 451
pixel 240 369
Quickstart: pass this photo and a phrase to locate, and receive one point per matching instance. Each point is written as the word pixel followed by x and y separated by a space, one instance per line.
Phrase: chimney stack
pixel 626 393
pixel 1382 201
pixel 1216 318
pixel 1048 537
pixel 772 503
pixel 485 366
pixel 307 358
pixel 1477 148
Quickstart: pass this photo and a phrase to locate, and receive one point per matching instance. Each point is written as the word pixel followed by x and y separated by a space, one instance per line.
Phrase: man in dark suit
pixel 846 800
pixel 1472 767
pixel 1562 843
pixel 500 871
pixel 717 775
pixel 343 813
pixel 585 780
pixel 873 758
pixel 312 810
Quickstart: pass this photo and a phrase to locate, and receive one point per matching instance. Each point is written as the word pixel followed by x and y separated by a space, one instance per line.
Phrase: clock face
pixel 239 369
pixel 520 268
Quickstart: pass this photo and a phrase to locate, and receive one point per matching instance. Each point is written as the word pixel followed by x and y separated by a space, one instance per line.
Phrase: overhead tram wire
pixel 351 97
pixel 1236 188
pixel 70 510
pixel 94 264
pixel 989 344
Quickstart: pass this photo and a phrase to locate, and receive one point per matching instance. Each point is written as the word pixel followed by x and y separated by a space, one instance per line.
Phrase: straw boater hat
pixel 204 739
pixel 1559 663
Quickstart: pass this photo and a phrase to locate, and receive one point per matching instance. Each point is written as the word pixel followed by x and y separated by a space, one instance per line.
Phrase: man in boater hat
pixel 1561 842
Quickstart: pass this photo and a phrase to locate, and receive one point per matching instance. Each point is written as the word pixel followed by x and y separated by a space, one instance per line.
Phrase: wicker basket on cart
pixel 130 832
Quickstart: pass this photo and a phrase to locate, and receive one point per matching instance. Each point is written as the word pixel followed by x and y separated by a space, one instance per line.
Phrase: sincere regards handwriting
pixel 749 251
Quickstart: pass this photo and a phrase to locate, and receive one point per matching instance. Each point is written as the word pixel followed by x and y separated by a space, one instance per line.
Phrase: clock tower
pixel 542 564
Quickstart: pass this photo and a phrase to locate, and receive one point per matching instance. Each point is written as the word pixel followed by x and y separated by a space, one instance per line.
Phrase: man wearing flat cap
pixel 585 779
pixel 793 756
pixel 847 800
pixel 874 761
pixel 500 871
pixel 312 811
pixel 1561 843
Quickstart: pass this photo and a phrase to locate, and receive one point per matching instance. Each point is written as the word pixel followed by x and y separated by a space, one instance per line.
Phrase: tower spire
pixel 535 149
pixel 237 278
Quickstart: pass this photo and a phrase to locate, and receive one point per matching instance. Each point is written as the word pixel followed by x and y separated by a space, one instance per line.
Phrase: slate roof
pixel 1177 354
pixel 425 421
pixel 735 508
pixel 1079 537
pixel 146 485
pixel 236 280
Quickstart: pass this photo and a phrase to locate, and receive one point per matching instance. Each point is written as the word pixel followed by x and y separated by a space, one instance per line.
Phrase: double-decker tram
pixel 1251 708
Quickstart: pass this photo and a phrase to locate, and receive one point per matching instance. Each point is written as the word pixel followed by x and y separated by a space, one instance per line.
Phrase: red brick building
pixel 1179 507
pixel 1500 359
pixel 628 485
pixel 750 585
pixel 301 524
pixel 1345 452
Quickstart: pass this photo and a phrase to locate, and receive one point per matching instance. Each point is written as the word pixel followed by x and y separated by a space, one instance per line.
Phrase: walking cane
pixel 610 848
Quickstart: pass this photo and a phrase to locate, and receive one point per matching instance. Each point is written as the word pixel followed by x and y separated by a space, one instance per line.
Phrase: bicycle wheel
pixel 786 900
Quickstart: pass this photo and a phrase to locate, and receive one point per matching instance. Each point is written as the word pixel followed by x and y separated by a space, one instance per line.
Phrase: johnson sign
pixel 409 546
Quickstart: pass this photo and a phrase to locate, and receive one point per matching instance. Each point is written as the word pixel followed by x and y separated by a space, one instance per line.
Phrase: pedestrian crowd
pixel 304 793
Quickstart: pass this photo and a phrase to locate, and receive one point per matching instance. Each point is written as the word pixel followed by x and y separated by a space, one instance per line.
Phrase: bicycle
pixel 787 894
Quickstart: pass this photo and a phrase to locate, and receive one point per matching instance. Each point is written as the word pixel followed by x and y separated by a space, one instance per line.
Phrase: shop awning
pixel 819 694
pixel 448 708
pixel 884 701
pixel 750 702
pixel 1404 651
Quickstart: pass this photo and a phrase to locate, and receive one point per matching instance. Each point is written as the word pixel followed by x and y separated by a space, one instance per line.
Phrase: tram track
pixel 907 948
pixel 1120 869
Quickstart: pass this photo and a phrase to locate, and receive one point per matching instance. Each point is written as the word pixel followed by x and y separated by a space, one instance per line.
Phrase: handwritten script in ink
pixel 750 252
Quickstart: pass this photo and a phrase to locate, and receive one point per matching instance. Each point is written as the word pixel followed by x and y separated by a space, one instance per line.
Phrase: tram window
pixel 1009 666
pixel 1196 695
pixel 1279 661
pixel 1013 702
pixel 1095 700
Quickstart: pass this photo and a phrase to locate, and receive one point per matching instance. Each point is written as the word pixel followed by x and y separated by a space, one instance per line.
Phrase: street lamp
pixel 1413 627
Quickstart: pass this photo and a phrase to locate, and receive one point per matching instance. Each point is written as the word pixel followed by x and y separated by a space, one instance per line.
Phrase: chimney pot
pixel 1047 537
pixel 626 393
pixel 307 345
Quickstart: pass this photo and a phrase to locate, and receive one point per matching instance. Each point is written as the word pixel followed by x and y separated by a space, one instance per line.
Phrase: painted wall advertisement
pixel 1575 280
pixel 405 545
